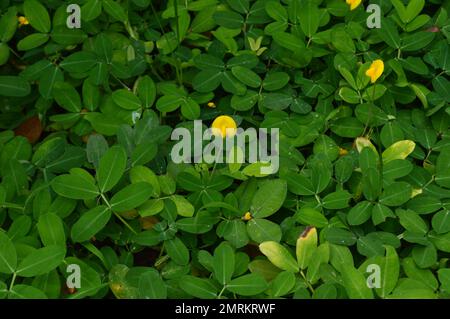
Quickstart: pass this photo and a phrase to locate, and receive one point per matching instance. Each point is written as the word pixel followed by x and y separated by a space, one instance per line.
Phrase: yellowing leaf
pixel 398 150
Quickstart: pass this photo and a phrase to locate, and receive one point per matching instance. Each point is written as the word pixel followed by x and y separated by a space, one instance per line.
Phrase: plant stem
pixel 125 223
pixel 117 215
pixel 162 260
pixel 106 200
pixel 12 281
pixel 306 281
pixel 221 292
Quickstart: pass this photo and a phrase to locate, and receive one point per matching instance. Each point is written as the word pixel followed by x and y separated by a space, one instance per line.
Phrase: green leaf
pixel 14 86
pixel 32 41
pixel 347 127
pixel 131 197
pixel 441 222
pixel 340 257
pixel 146 90
pixel 311 217
pixel 260 230
pixel 416 41
pixel 411 221
pixel 401 10
pixel 425 256
pixel 309 16
pixel 442 168
pixel 48 80
pixel 228 19
pixel 344 93
pixel 207 80
pixel 244 102
pixel 90 223
pixel 8 24
pixel 8 255
pixel 396 194
pixel 340 236
pixel 336 200
pixel 275 81
pixel 413 9
pixel 299 184
pixel 37 15
pixel 320 256
pixel 67 97
pixel 283 283
pixel 289 41
pixel 75 187
pixel 389 33
pixel 115 10
pixel 177 251
pixel 349 95
pixel 111 168
pixel 355 284
pixel 151 285
pixel 276 11
pixel 79 62
pixel 200 224
pixel 371 183
pixel 168 103
pixel 64 36
pixel 223 263
pixel 374 92
pixel 4 53
pixel 248 285
pixel 396 169
pixel 126 99
pixel 147 238
pixel 444 278
pixel 342 41
pixel 41 261
pixel 26 292
pixel 268 198
pixel 279 256
pixel 51 230
pixel 198 287
pixel 389 271
pixel 246 76
pixel 190 109
pixel 424 276
pixel 91 10
pixel 95 149
pixel 184 207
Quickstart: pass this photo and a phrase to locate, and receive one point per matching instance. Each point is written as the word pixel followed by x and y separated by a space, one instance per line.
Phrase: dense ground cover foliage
pixel 92 204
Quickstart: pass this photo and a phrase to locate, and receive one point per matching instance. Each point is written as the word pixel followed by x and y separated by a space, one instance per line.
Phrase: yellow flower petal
pixel 342 151
pixel 375 70
pixel 353 4
pixel 211 104
pixel 247 216
pixel 23 20
pixel 221 124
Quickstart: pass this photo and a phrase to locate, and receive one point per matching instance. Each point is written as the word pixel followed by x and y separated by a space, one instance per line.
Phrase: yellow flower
pixel 375 70
pixel 23 21
pixel 353 4
pixel 211 105
pixel 342 151
pixel 247 216
pixel 221 124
